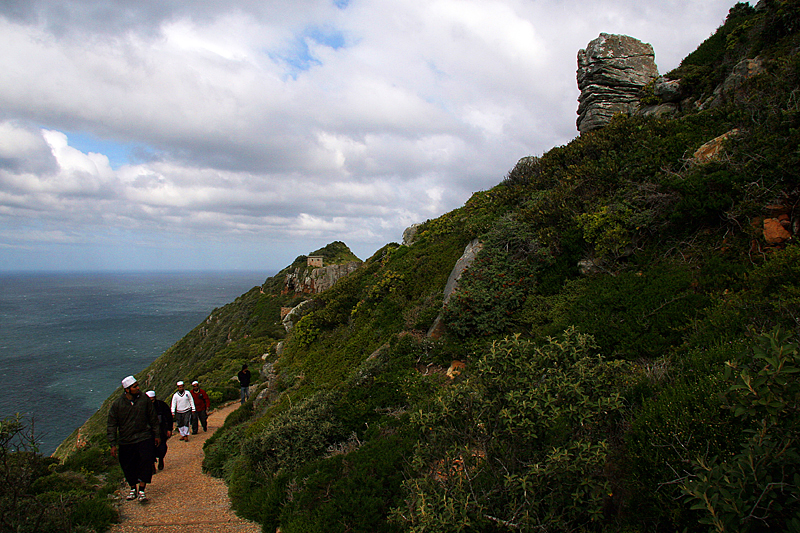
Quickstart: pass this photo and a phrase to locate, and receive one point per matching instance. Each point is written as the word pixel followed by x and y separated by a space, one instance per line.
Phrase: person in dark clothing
pixel 132 429
pixel 201 404
pixel 164 425
pixel 244 382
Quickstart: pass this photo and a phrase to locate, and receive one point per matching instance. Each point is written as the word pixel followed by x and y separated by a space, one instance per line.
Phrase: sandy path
pixel 181 495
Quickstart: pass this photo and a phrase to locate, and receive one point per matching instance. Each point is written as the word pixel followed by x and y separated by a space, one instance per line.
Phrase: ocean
pixel 67 339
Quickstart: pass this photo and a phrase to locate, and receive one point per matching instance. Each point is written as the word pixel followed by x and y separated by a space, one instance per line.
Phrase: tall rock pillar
pixel 612 70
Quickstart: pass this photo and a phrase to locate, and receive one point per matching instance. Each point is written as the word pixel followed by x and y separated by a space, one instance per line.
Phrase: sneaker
pixel 142 496
pixel 132 495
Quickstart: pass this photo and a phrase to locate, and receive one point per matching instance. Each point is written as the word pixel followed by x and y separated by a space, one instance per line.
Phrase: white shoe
pixel 132 495
pixel 142 496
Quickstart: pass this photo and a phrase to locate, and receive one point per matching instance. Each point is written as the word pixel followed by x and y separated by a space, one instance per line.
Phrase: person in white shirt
pixel 182 409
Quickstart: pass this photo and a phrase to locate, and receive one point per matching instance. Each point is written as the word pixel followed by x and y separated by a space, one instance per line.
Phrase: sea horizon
pixel 67 337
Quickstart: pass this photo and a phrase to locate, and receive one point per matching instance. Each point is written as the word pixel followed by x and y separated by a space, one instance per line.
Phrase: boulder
pixel 730 88
pixel 713 148
pixel 612 71
pixel 774 232
pixel 668 91
pixel 297 312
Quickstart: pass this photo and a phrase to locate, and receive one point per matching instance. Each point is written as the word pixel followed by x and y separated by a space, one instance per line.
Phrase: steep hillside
pixel 621 355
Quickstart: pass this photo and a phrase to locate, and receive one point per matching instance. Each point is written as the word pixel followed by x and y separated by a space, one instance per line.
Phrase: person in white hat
pixel 132 430
pixel 182 410
pixel 165 427
pixel 201 405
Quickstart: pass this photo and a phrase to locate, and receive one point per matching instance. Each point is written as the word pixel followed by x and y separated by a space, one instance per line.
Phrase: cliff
pixel 305 280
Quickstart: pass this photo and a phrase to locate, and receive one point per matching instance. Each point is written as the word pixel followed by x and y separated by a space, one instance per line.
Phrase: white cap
pixel 195 382
pixel 151 393
pixel 127 382
pixel 179 383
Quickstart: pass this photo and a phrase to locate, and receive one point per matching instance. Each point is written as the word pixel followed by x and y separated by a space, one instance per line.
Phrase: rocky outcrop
pixel 713 149
pixel 466 259
pixel 612 71
pixel 297 312
pixel 410 234
pixel 303 280
pixel 730 89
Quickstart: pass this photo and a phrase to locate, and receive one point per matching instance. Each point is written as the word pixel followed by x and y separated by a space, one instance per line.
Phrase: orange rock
pixel 711 150
pixel 455 369
pixel 774 232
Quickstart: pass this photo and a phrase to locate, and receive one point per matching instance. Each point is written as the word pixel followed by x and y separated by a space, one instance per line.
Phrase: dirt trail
pixel 181 495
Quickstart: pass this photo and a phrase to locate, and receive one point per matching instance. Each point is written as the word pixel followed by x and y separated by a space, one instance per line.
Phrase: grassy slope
pixel 364 433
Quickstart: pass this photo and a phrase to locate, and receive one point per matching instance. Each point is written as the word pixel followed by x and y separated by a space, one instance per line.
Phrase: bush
pixel 495 285
pixel 757 489
pixel 35 498
pixel 522 444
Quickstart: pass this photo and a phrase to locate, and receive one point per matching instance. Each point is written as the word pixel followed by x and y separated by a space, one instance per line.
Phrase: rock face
pixel 303 280
pixel 730 88
pixel 466 259
pixel 297 312
pixel 612 71
pixel 410 234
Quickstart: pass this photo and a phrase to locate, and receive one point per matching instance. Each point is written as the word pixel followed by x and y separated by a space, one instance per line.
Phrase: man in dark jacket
pixel 164 414
pixel 201 404
pixel 132 430
pixel 244 383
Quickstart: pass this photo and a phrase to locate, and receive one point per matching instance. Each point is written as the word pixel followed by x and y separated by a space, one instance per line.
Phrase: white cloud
pixel 293 124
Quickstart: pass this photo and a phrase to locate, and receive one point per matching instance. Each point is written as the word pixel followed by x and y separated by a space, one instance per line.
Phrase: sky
pixel 238 135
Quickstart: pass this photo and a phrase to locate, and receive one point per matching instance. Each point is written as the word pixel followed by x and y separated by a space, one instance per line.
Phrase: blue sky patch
pixel 298 55
pixel 118 154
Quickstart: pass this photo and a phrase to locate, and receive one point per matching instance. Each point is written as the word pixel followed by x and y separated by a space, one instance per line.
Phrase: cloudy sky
pixel 174 134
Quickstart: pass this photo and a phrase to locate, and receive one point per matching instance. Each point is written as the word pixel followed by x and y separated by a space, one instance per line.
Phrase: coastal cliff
pixel 597 313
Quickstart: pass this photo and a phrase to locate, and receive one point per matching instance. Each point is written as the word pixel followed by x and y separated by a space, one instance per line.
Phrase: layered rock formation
pixel 612 71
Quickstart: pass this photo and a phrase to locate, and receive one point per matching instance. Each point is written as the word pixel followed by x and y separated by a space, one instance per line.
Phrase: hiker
pixel 201 405
pixel 165 427
pixel 244 382
pixel 132 429
pixel 182 410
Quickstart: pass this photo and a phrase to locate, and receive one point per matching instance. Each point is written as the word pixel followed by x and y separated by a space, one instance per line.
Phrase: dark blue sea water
pixel 66 340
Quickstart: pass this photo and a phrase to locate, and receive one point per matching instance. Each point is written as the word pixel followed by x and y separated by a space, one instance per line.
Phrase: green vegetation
pixel 627 342
pixel 39 494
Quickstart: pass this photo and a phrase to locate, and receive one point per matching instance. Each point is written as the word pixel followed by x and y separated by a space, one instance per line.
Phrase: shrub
pixel 495 285
pixel 634 314
pixel 757 489
pixel 521 444
pixel 295 436
pixel 683 419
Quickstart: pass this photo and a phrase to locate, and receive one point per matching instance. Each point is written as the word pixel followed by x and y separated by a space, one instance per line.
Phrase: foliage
pixel 523 444
pixel 758 488
pixel 35 497
pixel 495 285
pixel 634 314
pixel 684 418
